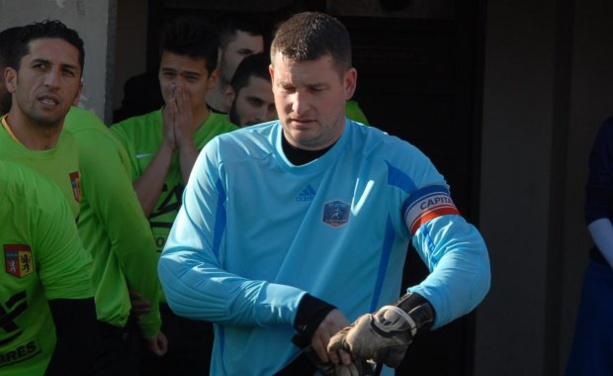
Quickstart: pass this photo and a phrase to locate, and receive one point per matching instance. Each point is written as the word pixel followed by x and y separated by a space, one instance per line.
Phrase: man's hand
pixel 158 344
pixel 332 323
pixel 169 114
pixel 140 306
pixel 357 368
pixel 184 126
pixel 383 336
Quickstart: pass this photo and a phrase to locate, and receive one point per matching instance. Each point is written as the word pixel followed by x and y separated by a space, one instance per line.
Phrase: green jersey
pixel 112 225
pixel 142 137
pixel 60 164
pixel 354 112
pixel 43 259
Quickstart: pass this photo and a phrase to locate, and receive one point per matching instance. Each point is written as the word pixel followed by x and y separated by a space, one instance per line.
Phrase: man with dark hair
pixel 162 148
pixel 42 256
pixel 51 29
pixel 250 92
pixel 292 228
pixel 239 37
pixel 44 79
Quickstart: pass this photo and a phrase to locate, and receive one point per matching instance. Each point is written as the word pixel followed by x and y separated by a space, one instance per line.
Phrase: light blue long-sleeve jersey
pixel 256 233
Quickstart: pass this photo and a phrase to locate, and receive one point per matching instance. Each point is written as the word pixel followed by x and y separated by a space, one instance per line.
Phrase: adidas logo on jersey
pixel 307 194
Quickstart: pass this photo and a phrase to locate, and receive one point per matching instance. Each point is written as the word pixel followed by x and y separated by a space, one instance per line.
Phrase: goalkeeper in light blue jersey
pixel 291 230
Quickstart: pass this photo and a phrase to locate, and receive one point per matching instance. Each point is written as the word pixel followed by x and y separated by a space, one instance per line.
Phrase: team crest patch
pixel 75 181
pixel 18 260
pixel 426 204
pixel 336 213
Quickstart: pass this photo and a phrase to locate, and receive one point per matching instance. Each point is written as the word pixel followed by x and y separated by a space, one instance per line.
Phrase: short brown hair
pixel 309 36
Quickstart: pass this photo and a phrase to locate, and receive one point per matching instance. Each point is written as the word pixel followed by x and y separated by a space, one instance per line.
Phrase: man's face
pixel 236 50
pixel 254 103
pixel 189 73
pixel 310 98
pixel 48 82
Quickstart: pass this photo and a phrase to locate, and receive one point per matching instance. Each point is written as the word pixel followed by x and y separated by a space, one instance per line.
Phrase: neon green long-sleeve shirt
pixel 112 225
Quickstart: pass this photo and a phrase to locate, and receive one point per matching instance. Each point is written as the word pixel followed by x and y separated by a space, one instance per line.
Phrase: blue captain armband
pixel 425 204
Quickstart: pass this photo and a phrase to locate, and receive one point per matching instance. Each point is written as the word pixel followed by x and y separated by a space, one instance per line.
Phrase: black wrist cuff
pixel 420 310
pixel 311 312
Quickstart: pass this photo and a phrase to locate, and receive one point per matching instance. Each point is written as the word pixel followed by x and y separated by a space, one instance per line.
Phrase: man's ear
pixel 75 102
pixel 229 95
pixel 10 79
pixel 350 82
pixel 271 70
pixel 213 77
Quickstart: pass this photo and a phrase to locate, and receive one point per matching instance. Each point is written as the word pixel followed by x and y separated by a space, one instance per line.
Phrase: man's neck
pixel 300 157
pixel 216 98
pixel 30 134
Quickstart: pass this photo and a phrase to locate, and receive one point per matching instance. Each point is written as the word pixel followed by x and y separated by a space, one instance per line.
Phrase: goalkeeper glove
pixel 385 335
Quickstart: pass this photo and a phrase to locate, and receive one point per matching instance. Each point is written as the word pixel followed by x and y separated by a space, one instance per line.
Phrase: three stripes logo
pixel 307 194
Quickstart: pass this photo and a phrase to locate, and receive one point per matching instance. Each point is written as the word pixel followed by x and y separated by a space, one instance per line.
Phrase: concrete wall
pixel 93 20
pixel 516 157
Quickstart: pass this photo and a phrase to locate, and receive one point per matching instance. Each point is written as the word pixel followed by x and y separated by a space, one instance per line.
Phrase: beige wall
pixel 92 20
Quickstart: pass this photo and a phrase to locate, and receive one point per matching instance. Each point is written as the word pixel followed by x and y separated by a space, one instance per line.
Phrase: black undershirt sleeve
pixel 311 312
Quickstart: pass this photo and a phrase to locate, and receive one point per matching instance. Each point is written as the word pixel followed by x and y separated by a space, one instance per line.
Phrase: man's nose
pixel 52 78
pixel 300 103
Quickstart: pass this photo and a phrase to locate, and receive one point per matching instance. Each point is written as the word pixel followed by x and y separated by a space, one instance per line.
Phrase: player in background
pixel 250 94
pixel 115 231
pixel 43 77
pixel 46 298
pixel 162 147
pixel 238 38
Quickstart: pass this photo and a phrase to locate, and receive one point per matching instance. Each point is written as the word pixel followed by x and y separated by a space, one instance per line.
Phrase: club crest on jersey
pixel 75 181
pixel 426 204
pixel 18 260
pixel 336 213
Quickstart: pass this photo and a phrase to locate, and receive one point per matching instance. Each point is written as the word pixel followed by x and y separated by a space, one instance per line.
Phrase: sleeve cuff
pixel 311 312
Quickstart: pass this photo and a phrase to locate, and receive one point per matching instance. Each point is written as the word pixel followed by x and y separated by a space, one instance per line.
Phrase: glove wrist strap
pixel 404 315
pixel 419 310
